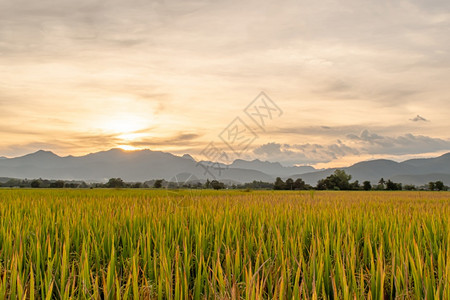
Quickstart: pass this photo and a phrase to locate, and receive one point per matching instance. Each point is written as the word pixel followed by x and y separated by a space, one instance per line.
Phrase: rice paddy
pixel 150 244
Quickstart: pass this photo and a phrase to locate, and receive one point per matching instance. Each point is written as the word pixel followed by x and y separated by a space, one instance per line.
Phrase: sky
pixel 343 81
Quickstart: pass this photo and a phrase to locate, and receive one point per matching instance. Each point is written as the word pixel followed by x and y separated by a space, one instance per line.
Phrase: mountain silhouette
pixel 143 165
pixel 414 171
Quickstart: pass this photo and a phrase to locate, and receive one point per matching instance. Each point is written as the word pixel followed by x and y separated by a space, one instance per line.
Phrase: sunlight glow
pixel 131 136
pixel 128 147
pixel 124 123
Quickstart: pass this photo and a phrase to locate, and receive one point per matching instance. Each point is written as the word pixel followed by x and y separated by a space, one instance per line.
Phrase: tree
pixel 136 185
pixel 14 182
pixel 71 185
pixel 289 184
pixel 217 185
pixel 36 184
pixel 355 185
pixel 59 184
pixel 115 183
pixel 409 187
pixel 321 184
pixel 381 182
pixel 299 184
pixel 431 186
pixel 367 186
pixel 439 185
pixel 392 186
pixel 279 184
pixel 339 180
pixel 158 184
pixel 256 185
pixel 207 184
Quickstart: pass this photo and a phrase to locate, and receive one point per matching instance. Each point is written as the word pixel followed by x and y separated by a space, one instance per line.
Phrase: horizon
pixel 342 83
pixel 228 163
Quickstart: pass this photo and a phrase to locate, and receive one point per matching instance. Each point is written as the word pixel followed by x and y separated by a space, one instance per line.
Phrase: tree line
pixel 43 183
pixel 339 180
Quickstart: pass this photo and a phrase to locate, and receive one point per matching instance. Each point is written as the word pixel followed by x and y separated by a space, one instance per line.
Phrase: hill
pixel 130 166
pixel 419 171
pixel 145 165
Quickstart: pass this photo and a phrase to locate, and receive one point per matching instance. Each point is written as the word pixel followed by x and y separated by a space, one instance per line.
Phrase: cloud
pixel 182 139
pixel 94 142
pixel 303 153
pixel 372 143
pixel 362 145
pixel 365 136
pixel 418 118
pixel 269 149
pixel 334 69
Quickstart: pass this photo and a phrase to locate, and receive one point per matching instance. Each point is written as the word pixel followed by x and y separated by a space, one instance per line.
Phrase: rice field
pixel 150 244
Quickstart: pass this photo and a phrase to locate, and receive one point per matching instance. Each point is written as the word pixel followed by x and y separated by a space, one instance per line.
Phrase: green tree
pixel 207 184
pixel 59 184
pixel 299 184
pixel 367 186
pixel 217 185
pixel 257 185
pixel 392 186
pixel 381 183
pixel 321 184
pixel 115 183
pixel 431 186
pixel 339 180
pixel 289 184
pixel 158 184
pixel 410 187
pixel 279 184
pixel 136 185
pixel 355 185
pixel 36 184
pixel 439 185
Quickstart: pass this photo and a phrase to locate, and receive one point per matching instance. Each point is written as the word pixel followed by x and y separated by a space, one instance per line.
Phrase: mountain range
pixel 413 171
pixel 145 165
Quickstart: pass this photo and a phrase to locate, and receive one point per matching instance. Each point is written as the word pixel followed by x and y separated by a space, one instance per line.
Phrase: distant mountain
pixel 129 165
pixel 188 156
pixel 274 169
pixel 420 171
pixel 421 179
pixel 439 164
pixel 145 165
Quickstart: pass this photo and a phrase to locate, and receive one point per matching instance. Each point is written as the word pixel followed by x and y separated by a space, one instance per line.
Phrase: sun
pixel 127 147
pixel 125 128
pixel 124 124
pixel 127 138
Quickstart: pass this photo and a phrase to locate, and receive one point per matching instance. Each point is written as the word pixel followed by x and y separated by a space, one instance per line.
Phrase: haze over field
pixel 354 80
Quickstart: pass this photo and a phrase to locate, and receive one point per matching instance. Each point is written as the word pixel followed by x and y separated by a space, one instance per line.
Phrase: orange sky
pixel 350 77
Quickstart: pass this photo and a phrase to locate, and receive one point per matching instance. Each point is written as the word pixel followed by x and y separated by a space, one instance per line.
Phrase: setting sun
pixel 123 123
pixel 127 147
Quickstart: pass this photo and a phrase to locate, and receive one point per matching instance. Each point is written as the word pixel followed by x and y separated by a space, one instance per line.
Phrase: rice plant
pixel 139 244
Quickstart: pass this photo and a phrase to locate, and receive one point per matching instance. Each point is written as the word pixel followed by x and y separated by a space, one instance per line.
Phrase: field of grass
pixel 147 244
